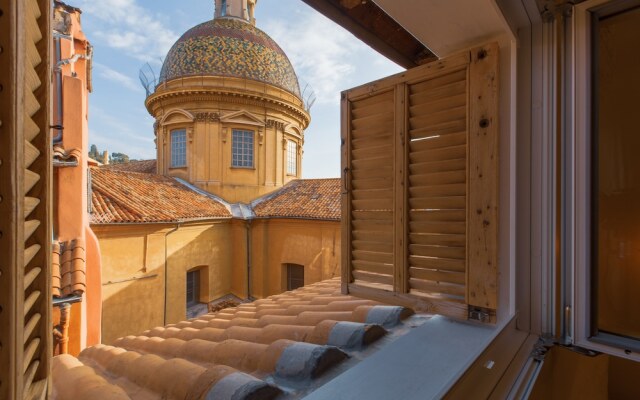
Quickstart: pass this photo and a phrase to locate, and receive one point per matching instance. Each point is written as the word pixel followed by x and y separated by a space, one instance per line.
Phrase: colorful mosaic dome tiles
pixel 229 47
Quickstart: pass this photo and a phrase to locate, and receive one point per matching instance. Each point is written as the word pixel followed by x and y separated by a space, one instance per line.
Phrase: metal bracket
pixel 479 314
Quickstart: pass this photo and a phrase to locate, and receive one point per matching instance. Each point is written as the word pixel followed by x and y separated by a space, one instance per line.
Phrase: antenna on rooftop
pixel 148 78
pixel 308 95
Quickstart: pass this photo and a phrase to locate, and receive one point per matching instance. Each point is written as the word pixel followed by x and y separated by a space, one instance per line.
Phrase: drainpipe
pixel 58 72
pixel 166 270
pixel 248 226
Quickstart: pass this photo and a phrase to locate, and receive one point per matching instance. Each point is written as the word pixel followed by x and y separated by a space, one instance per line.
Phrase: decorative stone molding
pixel 260 137
pixel 190 134
pixel 225 132
pixel 284 144
pixel 272 123
pixel 207 117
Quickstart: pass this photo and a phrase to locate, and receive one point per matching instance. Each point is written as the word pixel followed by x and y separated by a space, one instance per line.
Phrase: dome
pixel 230 47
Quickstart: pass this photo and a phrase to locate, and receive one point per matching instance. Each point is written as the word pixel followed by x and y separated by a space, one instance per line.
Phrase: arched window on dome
pixel 292 158
pixel 223 8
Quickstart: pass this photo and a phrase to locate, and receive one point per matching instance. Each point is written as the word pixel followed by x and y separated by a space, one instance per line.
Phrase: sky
pixel 126 34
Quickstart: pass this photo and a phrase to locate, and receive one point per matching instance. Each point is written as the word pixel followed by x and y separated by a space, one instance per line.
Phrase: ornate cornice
pixel 214 95
pixel 207 117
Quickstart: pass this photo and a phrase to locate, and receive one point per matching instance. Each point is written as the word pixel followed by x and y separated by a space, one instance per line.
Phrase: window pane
pixel 616 180
pixel 178 148
pixel 242 148
pixel 292 157
pixel 295 276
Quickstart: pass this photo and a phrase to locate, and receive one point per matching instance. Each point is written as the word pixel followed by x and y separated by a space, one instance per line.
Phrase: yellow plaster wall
pixel 275 242
pixel 133 272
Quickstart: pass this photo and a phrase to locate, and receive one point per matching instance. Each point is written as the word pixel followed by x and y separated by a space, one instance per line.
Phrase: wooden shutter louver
pixel 25 172
pixel 420 159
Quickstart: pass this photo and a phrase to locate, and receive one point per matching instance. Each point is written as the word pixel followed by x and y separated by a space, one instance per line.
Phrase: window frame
pixel 292 157
pixel 289 268
pixel 171 148
pixel 196 287
pixel 581 208
pixel 253 148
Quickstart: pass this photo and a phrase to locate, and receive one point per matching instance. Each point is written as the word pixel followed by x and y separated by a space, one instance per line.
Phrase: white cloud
pixel 322 53
pixel 129 27
pixel 112 75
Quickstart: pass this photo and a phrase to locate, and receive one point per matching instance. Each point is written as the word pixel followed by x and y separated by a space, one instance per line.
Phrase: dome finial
pixel 241 9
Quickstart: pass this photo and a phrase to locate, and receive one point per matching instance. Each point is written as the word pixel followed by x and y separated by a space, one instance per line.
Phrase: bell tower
pixel 241 9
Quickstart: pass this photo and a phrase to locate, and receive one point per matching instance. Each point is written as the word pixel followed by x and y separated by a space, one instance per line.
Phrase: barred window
pixel 179 148
pixel 242 149
pixel 292 157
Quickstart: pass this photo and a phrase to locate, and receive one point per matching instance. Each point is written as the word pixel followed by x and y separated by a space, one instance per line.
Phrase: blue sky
pixel 128 33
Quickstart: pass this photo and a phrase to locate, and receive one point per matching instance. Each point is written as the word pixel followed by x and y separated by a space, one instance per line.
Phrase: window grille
pixel 179 148
pixel 292 158
pixel 242 149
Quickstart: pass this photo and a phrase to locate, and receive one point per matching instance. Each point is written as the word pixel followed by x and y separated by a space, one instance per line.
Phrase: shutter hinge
pixel 479 314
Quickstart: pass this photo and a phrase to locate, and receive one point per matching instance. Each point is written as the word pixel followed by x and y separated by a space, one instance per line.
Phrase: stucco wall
pixel 133 272
pixel 276 242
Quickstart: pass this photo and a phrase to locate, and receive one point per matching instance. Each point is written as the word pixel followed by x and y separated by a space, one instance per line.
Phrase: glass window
pixel 178 148
pixel 223 8
pixel 292 157
pixel 193 287
pixel 242 149
pixel 615 193
pixel 295 276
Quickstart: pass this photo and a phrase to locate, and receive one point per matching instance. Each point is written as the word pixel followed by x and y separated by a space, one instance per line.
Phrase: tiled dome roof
pixel 229 47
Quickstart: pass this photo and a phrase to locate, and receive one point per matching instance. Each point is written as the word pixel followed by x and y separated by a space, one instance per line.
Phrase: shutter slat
pixel 377 173
pixel 373 267
pixel 371 109
pixel 372 100
pixel 31 79
pixel 438 83
pixel 457 253
pixel 438 227
pixel 31 276
pixel 438 141
pixel 373 278
pixel 31 153
pixel 372 184
pixel 30 204
pixel 31 129
pixel 373 215
pixel 29 353
pixel 30 227
pixel 373 256
pixel 448 90
pixel 443 154
pixel 374 194
pixel 372 225
pixel 435 287
pixel 373 236
pixel 29 253
pixel 372 246
pixel 445 128
pixel 33 57
pixel 438 178
pixel 439 104
pixel 373 121
pixel 447 202
pixel 31 104
pixel 456 189
pixel 372 141
pixel 28 381
pixel 437 276
pixel 30 326
pixel 442 117
pixel 438 239
pixel 380 204
pixel 371 152
pixel 418 166
pixel 446 264
pixel 30 301
pixel 437 215
pixel 30 180
pixel 370 163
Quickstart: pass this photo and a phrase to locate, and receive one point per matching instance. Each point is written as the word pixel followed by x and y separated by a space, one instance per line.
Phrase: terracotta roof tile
pixel 68 264
pixel 143 166
pixel 303 198
pixel 262 349
pixel 130 197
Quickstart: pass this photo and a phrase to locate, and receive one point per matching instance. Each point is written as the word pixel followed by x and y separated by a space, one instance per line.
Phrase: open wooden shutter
pixel 420 160
pixel 25 173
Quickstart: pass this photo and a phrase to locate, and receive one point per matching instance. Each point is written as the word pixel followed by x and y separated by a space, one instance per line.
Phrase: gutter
pixel 248 226
pixel 58 72
pixel 166 270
